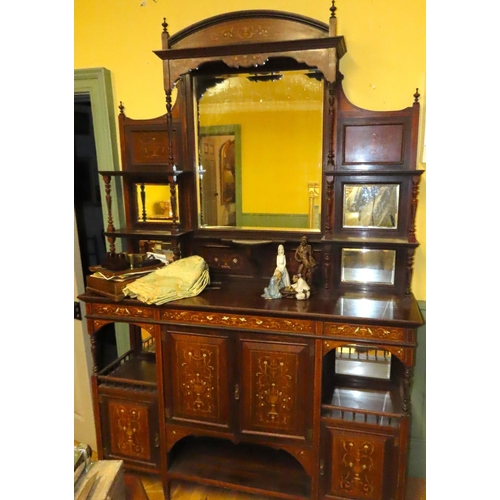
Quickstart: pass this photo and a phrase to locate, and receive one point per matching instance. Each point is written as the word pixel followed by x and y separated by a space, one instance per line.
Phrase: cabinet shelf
pixel 130 370
pixel 363 405
pixel 243 467
pixel 128 232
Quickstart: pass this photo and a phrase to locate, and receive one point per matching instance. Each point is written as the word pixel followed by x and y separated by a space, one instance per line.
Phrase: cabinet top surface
pixel 245 297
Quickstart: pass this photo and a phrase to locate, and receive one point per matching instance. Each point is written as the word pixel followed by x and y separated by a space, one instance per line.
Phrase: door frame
pixel 96 84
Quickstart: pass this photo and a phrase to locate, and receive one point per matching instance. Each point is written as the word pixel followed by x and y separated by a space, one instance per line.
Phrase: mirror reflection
pixel 362 265
pixel 371 205
pixel 355 360
pixel 153 202
pixel 260 148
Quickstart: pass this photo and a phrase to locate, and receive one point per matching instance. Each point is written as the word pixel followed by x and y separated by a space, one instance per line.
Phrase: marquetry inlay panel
pixel 239 321
pixel 150 147
pixel 199 382
pixel 364 331
pixel 122 311
pixel 358 469
pixel 272 395
pixel 129 430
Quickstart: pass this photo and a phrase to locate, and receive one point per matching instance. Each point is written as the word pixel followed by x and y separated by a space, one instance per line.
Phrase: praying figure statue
pixel 272 291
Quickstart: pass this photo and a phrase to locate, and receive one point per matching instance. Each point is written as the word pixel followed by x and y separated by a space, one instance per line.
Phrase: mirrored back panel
pixel 154 202
pixel 368 266
pixel 371 206
pixel 260 144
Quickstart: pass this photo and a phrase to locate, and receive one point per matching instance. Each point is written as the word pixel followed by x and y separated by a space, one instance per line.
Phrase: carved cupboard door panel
pixel 130 430
pixel 199 378
pixel 355 465
pixel 276 394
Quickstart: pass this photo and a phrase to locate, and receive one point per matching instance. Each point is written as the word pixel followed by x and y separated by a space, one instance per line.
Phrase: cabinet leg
pixel 407 388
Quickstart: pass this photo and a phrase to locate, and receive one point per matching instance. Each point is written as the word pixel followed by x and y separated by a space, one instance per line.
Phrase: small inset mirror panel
pixel 362 265
pixel 154 203
pixel 371 206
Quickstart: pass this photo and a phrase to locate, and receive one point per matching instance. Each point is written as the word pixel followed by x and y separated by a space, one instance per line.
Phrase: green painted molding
pixel 290 221
pixel 96 83
pixel 417 453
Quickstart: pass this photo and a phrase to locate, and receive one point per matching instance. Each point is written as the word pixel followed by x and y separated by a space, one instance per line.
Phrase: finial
pixel 333 9
pixel 164 24
pixel 121 107
pixel 416 95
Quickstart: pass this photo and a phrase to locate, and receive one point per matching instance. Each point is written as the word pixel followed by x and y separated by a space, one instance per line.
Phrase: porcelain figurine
pixel 281 267
pixel 272 291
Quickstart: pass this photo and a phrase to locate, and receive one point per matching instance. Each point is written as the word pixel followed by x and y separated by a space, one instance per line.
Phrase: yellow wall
pixel 384 64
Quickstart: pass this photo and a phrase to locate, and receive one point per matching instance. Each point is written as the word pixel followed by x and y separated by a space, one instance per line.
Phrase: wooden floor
pixel 184 491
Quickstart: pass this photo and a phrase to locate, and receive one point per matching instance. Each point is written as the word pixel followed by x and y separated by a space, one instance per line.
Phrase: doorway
pixel 87 198
pixel 88 206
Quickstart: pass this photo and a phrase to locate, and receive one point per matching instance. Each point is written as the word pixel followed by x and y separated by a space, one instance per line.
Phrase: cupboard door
pixel 355 464
pixel 276 387
pixel 199 378
pixel 130 430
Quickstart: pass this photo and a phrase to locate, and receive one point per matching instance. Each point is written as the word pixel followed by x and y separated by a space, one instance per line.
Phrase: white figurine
pixel 281 267
pixel 302 289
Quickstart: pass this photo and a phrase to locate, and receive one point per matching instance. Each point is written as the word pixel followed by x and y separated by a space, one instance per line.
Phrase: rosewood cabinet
pixel 241 393
pixel 292 399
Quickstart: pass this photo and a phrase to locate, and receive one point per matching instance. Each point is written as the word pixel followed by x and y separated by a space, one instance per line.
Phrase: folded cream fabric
pixel 183 278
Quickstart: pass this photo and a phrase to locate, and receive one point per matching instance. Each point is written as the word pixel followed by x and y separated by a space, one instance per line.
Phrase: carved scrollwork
pixel 234 320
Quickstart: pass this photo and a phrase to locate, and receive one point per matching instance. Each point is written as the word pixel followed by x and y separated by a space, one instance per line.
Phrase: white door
pixel 84 428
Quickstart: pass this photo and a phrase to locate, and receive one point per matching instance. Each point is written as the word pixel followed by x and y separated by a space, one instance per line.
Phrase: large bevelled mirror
pixel 260 149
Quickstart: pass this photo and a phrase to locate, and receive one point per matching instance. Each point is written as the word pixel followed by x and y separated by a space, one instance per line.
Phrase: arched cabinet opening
pixel 363 383
pixel 241 467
